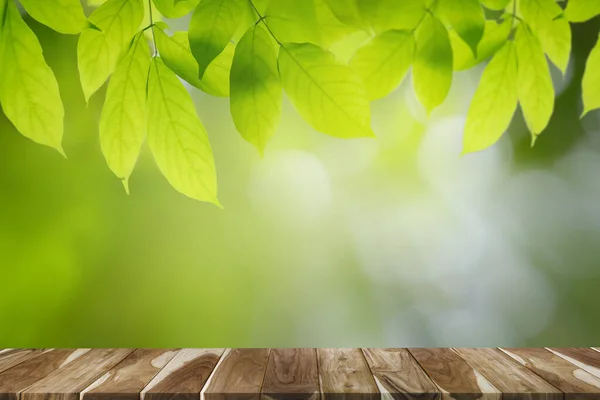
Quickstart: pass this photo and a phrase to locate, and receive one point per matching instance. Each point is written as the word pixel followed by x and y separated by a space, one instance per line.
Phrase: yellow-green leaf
pixel 255 87
pixel 495 4
pixel 494 102
pixel 552 29
pixel 293 20
pixel 535 90
pixel 213 24
pixel 383 62
pixel 175 8
pixel 123 118
pixel 98 51
pixel 466 18
pixel 327 94
pixel 64 16
pixel 348 12
pixel 590 84
pixel 582 10
pixel 494 36
pixel 177 137
pixel 384 15
pixel 176 54
pixel 302 21
pixel 432 68
pixel 28 89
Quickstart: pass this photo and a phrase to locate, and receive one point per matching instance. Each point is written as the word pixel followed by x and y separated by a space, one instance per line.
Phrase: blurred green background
pixel 395 241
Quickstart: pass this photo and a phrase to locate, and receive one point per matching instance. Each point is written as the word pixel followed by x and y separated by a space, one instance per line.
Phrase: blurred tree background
pixel 394 241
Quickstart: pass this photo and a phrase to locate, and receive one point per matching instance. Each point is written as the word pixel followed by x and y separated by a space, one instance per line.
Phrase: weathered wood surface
pixel 291 374
pixel 455 378
pixel 300 374
pixel 576 383
pixel 345 374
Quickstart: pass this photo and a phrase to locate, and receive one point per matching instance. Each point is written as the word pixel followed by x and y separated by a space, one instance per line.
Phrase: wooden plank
pixel 512 379
pixel 184 376
pixel 12 357
pixel 453 375
pixel 292 374
pixel 584 357
pixel 126 380
pixel 239 375
pixel 575 382
pixel 15 380
pixel 399 376
pixel 344 374
pixel 66 383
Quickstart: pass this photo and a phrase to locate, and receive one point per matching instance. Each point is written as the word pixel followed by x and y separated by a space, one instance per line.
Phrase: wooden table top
pixel 294 374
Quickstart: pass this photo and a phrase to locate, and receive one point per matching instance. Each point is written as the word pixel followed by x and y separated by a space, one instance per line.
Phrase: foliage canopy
pixel 253 51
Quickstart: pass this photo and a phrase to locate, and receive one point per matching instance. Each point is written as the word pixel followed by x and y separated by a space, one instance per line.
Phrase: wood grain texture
pixel 512 379
pixel 184 376
pixel 15 380
pixel 575 382
pixel 584 357
pixel 126 380
pixel 455 378
pixel 66 383
pixel 11 357
pixel 292 374
pixel 239 376
pixel 399 376
pixel 344 374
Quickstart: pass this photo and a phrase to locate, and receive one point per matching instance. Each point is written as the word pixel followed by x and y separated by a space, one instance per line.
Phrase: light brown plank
pixel 292 374
pixel 344 374
pixel 514 380
pixel 239 375
pixel 455 378
pixel 575 382
pixel 66 383
pixel 584 357
pixel 126 380
pixel 399 376
pixel 15 380
pixel 12 357
pixel 184 376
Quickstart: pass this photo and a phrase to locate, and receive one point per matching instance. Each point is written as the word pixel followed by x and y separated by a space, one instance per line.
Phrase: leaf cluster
pixel 252 51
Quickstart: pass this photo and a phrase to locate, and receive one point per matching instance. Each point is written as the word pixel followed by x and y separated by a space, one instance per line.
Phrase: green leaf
pixel 494 102
pixel 383 62
pixel 495 4
pixel 175 8
pixel 212 26
pixel 348 12
pixel 255 87
pixel 552 29
pixel 123 118
pixel 176 54
pixel 64 16
pixel 535 90
pixel 432 68
pixel 466 18
pixel 384 15
pixel 591 81
pixel 28 89
pixel 327 94
pixel 177 137
pixel 582 10
pixel 99 51
pixel 494 36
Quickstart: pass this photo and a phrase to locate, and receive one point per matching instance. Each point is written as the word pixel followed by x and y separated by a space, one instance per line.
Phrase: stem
pixel 261 18
pixel 151 26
